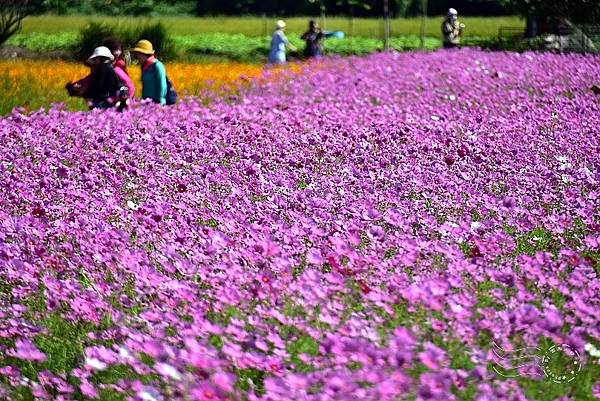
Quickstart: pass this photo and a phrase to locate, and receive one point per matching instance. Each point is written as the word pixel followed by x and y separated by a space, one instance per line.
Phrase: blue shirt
pixel 278 44
pixel 154 82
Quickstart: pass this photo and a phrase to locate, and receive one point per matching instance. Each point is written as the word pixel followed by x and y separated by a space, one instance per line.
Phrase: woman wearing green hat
pixel 154 75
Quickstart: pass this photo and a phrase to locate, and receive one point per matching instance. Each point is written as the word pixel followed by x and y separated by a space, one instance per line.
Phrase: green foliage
pixel 63 342
pixel 91 37
pixel 234 47
pixel 215 341
pixel 371 8
pixel 356 4
pixel 580 388
pixel 117 7
pixel 537 239
pixel 251 378
pixel 594 259
pixel 390 253
pixel 243 48
pixel 209 222
pixel 157 34
pixel 577 10
pixel 486 300
pixel 305 344
pixel 12 14
pixel 94 34
pixel 222 318
pixel 360 46
pixel 515 44
pixel 262 27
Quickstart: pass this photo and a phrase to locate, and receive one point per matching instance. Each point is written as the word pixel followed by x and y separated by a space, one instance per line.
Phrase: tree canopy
pixel 12 13
pixel 575 10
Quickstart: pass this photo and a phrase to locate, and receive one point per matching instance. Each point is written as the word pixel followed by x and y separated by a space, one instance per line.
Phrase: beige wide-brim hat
pixel 144 46
pixel 280 24
pixel 101 51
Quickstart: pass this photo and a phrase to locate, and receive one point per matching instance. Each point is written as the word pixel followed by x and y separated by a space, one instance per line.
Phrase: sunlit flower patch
pixel 416 226
pixel 33 84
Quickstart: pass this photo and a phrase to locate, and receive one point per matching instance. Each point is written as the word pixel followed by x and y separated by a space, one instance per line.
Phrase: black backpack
pixel 171 97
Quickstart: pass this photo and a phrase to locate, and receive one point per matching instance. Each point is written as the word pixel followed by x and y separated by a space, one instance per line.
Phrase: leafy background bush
pixel 95 32
pixel 212 46
pixel 44 42
pixel 235 47
pixel 196 47
pixel 244 48
pixel 90 37
pixel 118 7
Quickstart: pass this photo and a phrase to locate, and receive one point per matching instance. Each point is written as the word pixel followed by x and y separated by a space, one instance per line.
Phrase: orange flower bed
pixel 33 84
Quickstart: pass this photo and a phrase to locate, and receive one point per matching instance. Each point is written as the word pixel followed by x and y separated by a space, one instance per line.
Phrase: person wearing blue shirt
pixel 279 43
pixel 154 76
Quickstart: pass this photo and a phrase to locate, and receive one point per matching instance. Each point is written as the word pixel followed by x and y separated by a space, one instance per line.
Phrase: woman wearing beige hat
pixel 279 42
pixel 154 75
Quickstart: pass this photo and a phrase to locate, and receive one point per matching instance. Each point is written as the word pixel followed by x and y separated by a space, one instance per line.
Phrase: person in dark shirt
pixel 452 29
pixel 313 38
pixel 104 84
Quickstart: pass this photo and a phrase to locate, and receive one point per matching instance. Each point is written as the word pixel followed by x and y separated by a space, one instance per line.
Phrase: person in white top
pixel 279 43
pixel 452 29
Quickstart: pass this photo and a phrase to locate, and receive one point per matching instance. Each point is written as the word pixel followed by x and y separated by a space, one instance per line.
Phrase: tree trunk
pixel 386 25
pixel 10 19
pixel 351 26
pixel 531 27
pixel 423 19
pixel 323 26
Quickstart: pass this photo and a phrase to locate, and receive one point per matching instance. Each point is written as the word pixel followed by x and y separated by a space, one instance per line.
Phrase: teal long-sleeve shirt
pixel 154 82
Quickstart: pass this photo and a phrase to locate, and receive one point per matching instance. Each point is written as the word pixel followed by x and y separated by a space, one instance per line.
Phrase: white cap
pixel 102 51
pixel 452 11
pixel 280 24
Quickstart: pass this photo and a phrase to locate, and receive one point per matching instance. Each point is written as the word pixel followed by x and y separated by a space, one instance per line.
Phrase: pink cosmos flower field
pixel 414 226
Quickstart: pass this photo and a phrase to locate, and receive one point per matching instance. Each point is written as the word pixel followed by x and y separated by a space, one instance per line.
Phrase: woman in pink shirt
pixel 116 48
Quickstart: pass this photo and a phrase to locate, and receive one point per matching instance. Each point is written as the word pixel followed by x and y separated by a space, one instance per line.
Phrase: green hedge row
pixel 44 42
pixel 79 45
pixel 240 47
pixel 235 47
pixel 95 32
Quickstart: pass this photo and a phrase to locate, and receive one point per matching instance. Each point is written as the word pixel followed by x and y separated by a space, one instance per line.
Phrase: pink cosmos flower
pixel 432 356
pixel 297 381
pixel 205 392
pixel 434 386
pixel 26 350
pixel 224 381
pixel 197 216
pixel 88 389
pixel 394 217
pixel 552 320
pixel 313 256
